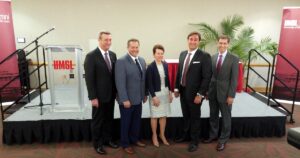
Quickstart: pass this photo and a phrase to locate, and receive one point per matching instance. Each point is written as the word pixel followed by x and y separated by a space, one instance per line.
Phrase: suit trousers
pixel 191 115
pixel 216 106
pixel 130 124
pixel 101 124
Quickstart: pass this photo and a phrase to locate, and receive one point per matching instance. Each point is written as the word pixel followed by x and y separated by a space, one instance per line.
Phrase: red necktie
pixel 219 65
pixel 186 66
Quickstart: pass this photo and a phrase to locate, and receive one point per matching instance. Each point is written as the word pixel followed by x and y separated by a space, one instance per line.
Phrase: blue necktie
pixel 139 67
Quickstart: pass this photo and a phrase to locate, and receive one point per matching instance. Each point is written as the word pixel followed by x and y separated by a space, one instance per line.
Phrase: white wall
pixel 155 21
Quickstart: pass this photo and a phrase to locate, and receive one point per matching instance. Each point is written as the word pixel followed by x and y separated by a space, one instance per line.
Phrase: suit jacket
pixel 129 82
pixel 99 81
pixel 153 82
pixel 198 74
pixel 224 83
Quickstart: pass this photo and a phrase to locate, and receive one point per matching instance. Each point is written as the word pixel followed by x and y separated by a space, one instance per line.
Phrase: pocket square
pixel 196 62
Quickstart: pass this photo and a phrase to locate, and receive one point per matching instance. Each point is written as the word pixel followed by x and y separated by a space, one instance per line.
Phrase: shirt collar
pixel 102 51
pixel 193 51
pixel 224 54
pixel 132 57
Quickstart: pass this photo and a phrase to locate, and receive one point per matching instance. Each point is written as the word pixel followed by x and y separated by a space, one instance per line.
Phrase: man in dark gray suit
pixel 222 91
pixel 130 73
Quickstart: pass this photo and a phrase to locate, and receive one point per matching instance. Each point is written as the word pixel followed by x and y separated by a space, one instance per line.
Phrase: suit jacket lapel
pixel 142 65
pixel 111 58
pixel 214 63
pixel 130 59
pixel 182 61
pixel 196 56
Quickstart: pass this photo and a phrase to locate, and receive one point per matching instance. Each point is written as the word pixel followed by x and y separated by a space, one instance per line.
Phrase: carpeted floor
pixel 244 147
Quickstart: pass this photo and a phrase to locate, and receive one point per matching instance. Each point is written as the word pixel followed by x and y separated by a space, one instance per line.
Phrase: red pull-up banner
pixel 289 46
pixel 8 69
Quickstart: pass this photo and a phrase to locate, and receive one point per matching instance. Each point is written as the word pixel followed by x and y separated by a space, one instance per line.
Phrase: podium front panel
pixel 65 77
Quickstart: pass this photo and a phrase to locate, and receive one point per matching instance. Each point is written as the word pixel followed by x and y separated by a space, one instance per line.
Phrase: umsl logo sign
pixel 4 18
pixel 63 64
pixel 291 24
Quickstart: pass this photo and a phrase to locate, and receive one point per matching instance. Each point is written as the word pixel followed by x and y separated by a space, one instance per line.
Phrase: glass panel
pixel 65 76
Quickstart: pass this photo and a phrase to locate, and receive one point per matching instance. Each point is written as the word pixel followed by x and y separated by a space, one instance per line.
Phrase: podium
pixel 65 78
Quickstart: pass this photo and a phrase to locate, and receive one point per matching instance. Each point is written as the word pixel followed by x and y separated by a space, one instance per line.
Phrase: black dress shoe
pixel 179 140
pixel 192 147
pixel 210 140
pixel 220 146
pixel 100 150
pixel 113 145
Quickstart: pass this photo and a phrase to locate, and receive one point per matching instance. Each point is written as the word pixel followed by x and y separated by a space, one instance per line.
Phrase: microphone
pixel 51 29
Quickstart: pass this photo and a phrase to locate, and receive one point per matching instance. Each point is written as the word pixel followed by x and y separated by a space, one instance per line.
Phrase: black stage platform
pixel 251 118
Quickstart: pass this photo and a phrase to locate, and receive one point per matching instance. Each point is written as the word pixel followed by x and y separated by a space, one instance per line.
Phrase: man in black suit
pixel 99 76
pixel 192 81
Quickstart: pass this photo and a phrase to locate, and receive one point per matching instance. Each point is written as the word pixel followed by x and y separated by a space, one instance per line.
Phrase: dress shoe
pixel 140 144
pixel 210 140
pixel 100 150
pixel 220 146
pixel 192 147
pixel 129 150
pixel 113 145
pixel 180 140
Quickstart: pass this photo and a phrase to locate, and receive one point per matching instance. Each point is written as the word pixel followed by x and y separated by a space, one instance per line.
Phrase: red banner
pixel 9 69
pixel 289 46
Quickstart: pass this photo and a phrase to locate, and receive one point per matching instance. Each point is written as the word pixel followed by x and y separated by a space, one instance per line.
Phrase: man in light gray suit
pixel 130 73
pixel 222 91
